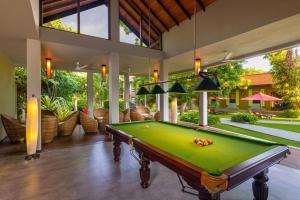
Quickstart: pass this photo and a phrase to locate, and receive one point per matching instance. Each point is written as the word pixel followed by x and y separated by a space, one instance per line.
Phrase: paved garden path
pixel 279 122
pixel 270 131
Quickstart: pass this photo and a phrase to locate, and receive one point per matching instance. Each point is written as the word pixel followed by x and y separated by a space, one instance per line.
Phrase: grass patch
pixel 285 119
pixel 257 135
pixel 286 127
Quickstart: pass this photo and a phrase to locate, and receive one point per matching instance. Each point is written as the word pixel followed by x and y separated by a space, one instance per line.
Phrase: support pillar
pixel 114 20
pixel 90 93
pixel 34 78
pixel 203 108
pixel 113 88
pixel 126 90
pixel 174 110
pixel 164 98
pixel 157 103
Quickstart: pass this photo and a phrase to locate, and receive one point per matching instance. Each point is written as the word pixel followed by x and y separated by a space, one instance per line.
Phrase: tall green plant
pixel 286 76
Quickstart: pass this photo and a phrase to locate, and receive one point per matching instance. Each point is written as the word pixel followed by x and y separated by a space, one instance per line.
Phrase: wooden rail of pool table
pixel 208 186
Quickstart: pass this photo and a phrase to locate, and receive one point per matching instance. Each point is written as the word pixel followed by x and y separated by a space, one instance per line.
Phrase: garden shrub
pixel 121 104
pixel 213 119
pixel 290 113
pixel 193 117
pixel 244 118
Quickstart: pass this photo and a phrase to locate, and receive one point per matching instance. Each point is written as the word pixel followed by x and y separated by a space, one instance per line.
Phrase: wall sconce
pixel 197 66
pixel 48 68
pixel 103 72
pixel 32 128
pixel 155 75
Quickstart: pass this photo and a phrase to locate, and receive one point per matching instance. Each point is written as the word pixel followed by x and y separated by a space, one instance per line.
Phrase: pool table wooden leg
pixel 205 195
pixel 260 187
pixel 117 149
pixel 144 172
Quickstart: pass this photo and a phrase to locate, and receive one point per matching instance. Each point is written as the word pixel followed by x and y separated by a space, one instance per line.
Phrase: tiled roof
pixel 259 79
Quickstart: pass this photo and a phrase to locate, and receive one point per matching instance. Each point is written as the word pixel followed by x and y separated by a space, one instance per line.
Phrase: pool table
pixel 210 170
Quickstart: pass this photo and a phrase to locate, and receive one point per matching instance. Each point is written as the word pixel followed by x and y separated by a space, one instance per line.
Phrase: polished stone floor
pixel 89 172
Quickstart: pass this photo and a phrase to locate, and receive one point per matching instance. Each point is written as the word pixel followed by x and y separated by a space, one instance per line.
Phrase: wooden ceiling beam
pixel 136 21
pixel 144 18
pixel 156 17
pixel 201 4
pixel 182 8
pixel 168 12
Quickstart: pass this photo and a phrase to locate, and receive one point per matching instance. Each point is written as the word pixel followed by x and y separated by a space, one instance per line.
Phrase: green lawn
pixel 286 127
pixel 228 115
pixel 257 134
pixel 285 119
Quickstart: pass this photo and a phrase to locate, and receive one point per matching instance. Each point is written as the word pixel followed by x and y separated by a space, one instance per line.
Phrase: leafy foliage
pixel 229 76
pixel 286 76
pixel 244 118
pixel 192 116
pixel 252 70
pixel 58 24
pixel 290 113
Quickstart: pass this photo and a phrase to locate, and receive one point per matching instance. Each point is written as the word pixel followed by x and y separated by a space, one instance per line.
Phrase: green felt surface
pixel 225 152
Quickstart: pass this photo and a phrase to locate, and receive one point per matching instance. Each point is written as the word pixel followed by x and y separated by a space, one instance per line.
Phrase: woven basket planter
pixel 88 124
pixel 15 131
pixel 66 128
pixel 49 127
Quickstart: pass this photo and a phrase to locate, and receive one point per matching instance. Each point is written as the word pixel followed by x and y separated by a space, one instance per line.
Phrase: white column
pixel 203 108
pixel 126 90
pixel 34 78
pixel 113 87
pixel 164 98
pixel 157 103
pixel 174 110
pixel 90 93
pixel 114 20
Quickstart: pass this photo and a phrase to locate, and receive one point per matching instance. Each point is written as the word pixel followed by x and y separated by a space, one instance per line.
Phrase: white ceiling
pixel 17 24
pixel 281 34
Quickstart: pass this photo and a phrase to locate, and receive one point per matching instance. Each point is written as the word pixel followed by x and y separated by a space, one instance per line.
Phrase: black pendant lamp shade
pixel 142 91
pixel 176 88
pixel 207 85
pixel 157 90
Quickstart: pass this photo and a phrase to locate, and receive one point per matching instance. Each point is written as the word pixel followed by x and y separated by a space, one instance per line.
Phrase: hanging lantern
pixel 142 91
pixel 177 88
pixel 48 68
pixel 207 85
pixel 197 66
pixel 32 127
pixel 157 90
pixel 155 75
pixel 103 72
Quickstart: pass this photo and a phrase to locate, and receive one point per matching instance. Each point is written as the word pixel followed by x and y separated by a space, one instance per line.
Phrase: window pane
pixel 127 36
pixel 62 16
pixel 94 19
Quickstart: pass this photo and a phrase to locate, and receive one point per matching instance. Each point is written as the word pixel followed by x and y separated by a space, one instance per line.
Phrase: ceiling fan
pixel 78 67
pixel 227 58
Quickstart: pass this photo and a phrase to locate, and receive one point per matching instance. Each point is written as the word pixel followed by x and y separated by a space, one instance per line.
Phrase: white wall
pixel 226 19
pixel 7 89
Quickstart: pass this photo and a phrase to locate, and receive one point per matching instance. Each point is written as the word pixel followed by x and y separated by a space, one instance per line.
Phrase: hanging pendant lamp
pixel 142 91
pixel 176 88
pixel 207 85
pixel 157 90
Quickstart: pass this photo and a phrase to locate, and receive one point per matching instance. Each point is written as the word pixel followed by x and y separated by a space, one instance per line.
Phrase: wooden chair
pixel 136 116
pixel 101 114
pixel 66 127
pixel 49 126
pixel 157 116
pixel 15 131
pixel 126 115
pixel 88 124
pixel 145 112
